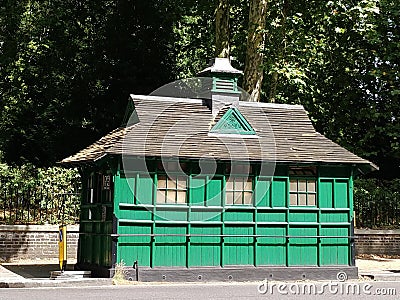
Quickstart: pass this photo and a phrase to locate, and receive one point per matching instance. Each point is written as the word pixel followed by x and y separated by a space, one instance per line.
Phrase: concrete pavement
pixel 38 275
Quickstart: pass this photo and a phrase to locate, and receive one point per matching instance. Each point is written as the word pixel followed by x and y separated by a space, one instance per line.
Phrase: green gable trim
pixel 233 122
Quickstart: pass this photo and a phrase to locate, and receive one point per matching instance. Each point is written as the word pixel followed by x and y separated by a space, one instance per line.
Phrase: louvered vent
pixel 224 85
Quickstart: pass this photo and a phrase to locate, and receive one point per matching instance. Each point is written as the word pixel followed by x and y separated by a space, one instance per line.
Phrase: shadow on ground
pixel 35 270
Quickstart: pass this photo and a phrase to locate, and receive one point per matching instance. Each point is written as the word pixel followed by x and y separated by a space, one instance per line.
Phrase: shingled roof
pixel 178 127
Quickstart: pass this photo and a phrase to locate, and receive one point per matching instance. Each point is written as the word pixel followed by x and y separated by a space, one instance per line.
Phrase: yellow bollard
pixel 62 247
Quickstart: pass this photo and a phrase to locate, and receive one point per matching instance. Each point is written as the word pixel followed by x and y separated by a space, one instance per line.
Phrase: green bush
pixel 39 195
pixel 377 203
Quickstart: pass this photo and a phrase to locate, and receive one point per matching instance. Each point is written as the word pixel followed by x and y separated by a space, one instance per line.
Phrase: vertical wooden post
pixel 62 246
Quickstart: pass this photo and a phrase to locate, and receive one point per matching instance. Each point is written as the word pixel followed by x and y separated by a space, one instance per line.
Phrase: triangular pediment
pixel 233 122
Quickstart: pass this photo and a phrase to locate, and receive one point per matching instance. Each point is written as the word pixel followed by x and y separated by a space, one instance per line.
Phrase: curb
pixel 389 276
pixel 34 283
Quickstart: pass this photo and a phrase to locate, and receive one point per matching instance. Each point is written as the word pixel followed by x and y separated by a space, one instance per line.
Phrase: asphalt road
pixel 301 290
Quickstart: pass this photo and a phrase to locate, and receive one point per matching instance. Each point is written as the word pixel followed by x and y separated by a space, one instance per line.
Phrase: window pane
pixel 293 199
pixel 162 182
pixel 171 182
pixel 311 186
pixel 239 184
pixel 248 185
pixel 181 197
pixel 171 196
pixel 160 197
pixel 229 198
pixel 182 183
pixel 311 199
pixel 247 197
pixel 302 185
pixel 302 199
pixel 229 185
pixel 293 185
pixel 238 198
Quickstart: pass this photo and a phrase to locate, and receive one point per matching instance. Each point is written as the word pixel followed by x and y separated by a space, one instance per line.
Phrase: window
pixel 303 192
pixel 239 184
pixel 172 182
pixel 171 189
pixel 239 190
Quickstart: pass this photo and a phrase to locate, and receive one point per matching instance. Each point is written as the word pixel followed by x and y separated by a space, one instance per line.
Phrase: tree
pixel 67 68
pixel 253 71
pixel 222 29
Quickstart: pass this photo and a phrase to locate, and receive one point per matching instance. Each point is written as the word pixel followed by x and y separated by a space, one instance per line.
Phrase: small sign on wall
pixel 106 182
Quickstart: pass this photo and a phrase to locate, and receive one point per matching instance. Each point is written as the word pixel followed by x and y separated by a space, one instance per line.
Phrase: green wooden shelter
pixel 217 188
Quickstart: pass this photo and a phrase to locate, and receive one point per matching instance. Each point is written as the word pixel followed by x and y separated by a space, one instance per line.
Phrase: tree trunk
pixel 281 52
pixel 222 29
pixel 253 71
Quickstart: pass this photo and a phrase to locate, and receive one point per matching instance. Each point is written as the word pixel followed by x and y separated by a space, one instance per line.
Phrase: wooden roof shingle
pixel 178 127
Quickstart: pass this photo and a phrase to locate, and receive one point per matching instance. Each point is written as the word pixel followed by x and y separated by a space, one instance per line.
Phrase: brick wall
pixel 35 242
pixel 377 241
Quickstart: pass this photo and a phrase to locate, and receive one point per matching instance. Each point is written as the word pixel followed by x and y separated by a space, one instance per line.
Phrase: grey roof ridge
pixel 200 101
pixel 165 99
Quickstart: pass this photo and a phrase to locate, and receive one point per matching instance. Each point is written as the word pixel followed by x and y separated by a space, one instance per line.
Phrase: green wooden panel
pixel 205 255
pixel 279 192
pixel 85 242
pixel 334 251
pixel 271 216
pixel 271 250
pixel 205 250
pixel 262 192
pixel 197 193
pixel 325 189
pixel 335 231
pixel 204 215
pixel 170 250
pixel 303 255
pixel 105 245
pixel 238 250
pixel 334 217
pixel 271 255
pixel 236 254
pixel 131 248
pixel 303 216
pixel 138 213
pixel 238 216
pixel 341 194
pixel 334 255
pixel 144 189
pixel 214 192
pixel 170 215
pixel 96 254
pixel 126 187
pixel 303 234
pixel 241 232
pixel 276 235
